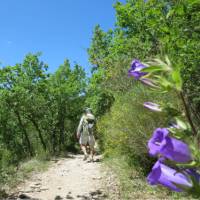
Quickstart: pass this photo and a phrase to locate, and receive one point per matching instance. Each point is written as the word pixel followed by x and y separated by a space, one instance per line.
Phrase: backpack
pixel 88 124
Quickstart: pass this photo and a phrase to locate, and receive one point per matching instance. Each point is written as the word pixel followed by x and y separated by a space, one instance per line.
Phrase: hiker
pixel 85 133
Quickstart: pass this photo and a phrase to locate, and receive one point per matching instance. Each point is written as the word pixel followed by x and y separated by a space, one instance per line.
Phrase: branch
pixel 187 112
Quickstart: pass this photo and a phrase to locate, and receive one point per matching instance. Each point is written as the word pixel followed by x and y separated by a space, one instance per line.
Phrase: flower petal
pixel 135 70
pixel 168 177
pixel 152 106
pixel 157 141
pixel 176 150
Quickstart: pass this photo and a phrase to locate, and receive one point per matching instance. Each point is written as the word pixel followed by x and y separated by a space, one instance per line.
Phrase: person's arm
pixel 79 129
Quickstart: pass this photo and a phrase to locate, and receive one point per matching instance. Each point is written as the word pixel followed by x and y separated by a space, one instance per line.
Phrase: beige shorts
pixel 87 139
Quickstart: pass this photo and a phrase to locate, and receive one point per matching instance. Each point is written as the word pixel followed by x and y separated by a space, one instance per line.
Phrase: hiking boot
pixel 85 157
pixel 91 159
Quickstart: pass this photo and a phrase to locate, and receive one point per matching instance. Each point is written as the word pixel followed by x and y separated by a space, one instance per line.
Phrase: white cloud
pixel 9 42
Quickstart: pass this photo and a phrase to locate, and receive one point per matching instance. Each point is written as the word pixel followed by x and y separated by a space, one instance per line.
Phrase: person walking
pixel 85 133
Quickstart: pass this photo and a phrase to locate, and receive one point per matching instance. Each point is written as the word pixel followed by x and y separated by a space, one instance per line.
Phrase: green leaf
pixel 165 66
pixel 182 124
pixel 167 85
pixel 188 165
pixel 170 13
pixel 176 77
pixel 167 61
pixel 152 69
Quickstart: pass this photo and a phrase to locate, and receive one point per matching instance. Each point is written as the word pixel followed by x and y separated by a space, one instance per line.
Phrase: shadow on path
pixel 94 195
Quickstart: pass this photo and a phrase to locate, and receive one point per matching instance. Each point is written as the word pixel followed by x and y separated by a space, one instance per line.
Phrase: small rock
pixel 58 197
pixel 44 188
pixel 24 196
pixel 29 191
pixel 69 197
pixel 3 194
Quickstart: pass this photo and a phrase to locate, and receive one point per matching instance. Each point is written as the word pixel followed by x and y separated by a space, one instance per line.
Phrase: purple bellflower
pixel 174 125
pixel 152 106
pixel 168 177
pixel 148 82
pixel 194 174
pixel 135 70
pixel 170 148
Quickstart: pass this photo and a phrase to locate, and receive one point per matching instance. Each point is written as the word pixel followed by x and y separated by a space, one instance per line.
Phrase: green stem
pixel 187 112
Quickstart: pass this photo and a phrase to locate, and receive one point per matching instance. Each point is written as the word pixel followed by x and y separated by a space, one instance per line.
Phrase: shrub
pixel 127 127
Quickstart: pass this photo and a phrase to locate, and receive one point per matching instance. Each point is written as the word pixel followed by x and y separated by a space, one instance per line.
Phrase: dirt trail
pixel 69 178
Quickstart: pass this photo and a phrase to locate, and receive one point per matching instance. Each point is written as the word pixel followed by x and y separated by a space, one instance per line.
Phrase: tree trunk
pixel 53 140
pixel 25 133
pixel 39 132
pixel 61 127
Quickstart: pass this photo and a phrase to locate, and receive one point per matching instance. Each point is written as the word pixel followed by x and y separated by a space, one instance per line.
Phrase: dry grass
pixel 126 183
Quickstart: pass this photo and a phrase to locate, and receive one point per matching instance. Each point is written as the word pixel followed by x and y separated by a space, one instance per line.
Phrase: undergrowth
pixel 14 175
pixel 133 184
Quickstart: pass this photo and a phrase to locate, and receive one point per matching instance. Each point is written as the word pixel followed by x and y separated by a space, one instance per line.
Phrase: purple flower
pixel 169 147
pixel 157 141
pixel 135 70
pixel 152 106
pixel 174 125
pixel 148 82
pixel 168 177
pixel 194 174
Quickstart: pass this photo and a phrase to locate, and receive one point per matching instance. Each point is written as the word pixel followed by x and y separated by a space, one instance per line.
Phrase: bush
pixel 126 129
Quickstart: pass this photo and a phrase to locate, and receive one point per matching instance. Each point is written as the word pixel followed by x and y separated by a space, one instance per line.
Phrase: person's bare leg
pixel 92 152
pixel 83 148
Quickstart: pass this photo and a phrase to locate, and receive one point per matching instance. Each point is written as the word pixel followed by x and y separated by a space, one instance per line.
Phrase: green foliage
pixel 99 100
pixel 39 112
pixel 145 30
pixel 126 129
pixel 66 89
pixel 11 176
pixel 98 50
pixel 132 183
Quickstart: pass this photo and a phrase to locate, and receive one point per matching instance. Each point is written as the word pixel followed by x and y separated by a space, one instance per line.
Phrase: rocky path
pixel 69 178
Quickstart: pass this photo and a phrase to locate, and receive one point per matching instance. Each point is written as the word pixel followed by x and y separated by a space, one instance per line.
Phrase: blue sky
pixel 58 28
